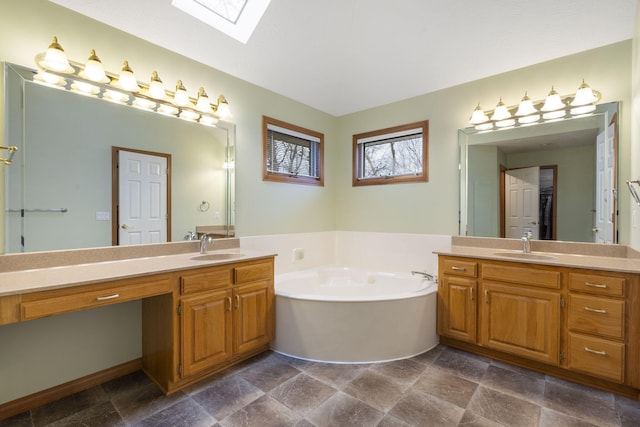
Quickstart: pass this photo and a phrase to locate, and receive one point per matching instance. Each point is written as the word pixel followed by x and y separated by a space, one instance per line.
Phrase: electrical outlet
pixel 298 254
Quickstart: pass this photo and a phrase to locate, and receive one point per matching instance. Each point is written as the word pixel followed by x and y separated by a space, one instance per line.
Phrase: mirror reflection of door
pixel 522 202
pixel 605 197
pixel 528 202
pixel 142 201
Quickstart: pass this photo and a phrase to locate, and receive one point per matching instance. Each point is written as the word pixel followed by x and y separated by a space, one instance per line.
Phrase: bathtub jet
pixel 348 315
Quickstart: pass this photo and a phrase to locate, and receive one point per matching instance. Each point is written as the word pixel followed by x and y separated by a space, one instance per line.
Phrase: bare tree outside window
pixel 402 156
pixel 396 154
pixel 291 153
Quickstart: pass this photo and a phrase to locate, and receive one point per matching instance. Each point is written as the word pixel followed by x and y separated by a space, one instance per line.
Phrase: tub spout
pixel 426 275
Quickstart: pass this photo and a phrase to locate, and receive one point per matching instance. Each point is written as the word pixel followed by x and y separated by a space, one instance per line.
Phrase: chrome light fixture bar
pixel 90 79
pixel 553 107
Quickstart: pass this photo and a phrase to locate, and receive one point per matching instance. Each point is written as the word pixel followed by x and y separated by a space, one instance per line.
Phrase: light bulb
pixel 126 80
pixel 54 59
pixel 156 87
pixel 94 70
pixel 181 98
pixel 203 104
pixel 223 110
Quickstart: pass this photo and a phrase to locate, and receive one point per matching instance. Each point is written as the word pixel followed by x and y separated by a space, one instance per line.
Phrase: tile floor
pixel 443 387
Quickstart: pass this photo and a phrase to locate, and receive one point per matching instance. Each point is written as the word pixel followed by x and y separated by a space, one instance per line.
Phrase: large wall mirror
pixel 556 179
pixel 58 190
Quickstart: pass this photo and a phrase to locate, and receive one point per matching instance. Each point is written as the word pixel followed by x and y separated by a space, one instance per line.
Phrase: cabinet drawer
pixel 93 298
pixel 460 268
pixel 205 281
pixel 522 275
pixel 595 315
pixel 596 356
pixel 603 285
pixel 253 272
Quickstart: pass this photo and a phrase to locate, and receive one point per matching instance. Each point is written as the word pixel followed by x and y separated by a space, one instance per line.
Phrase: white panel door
pixel 522 202
pixel 142 186
pixel 604 226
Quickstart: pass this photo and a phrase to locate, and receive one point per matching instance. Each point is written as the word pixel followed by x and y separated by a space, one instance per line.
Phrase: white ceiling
pixel 343 56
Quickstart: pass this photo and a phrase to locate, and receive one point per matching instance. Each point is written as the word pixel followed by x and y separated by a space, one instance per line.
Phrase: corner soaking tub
pixel 346 315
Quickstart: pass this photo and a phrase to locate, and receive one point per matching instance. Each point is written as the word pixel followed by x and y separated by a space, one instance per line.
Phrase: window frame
pixel 268 175
pixel 358 155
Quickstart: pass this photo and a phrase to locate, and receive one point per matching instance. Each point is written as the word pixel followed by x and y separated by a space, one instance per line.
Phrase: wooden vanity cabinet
pixel 520 311
pixel 578 324
pixel 457 291
pixel 225 315
pixel 596 325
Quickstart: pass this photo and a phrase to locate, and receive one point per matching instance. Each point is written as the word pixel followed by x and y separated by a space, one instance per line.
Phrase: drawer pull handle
pixel 471 293
pixel 596 285
pixel 230 306
pixel 454 268
pixel 108 297
pixel 595 310
pixel 237 301
pixel 598 352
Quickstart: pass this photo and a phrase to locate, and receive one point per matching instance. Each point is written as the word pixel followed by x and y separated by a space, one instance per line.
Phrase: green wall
pixel 263 208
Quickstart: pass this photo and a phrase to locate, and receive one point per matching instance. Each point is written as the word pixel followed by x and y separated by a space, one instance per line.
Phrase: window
pixel 291 153
pixel 394 155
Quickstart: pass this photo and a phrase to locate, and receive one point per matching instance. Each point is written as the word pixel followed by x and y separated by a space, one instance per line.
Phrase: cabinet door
pixel 521 321
pixel 253 315
pixel 457 308
pixel 206 330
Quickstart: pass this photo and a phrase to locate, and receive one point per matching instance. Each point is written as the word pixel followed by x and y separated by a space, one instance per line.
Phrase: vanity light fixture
pixel 180 97
pixel 156 88
pixel 203 104
pixel 85 88
pixel 94 70
pixel 11 150
pixel 501 115
pixel 553 107
pixel 223 107
pixel 91 79
pixel 54 59
pixel 126 80
pixel 527 112
pixel 480 119
pixel 144 103
pixel 208 120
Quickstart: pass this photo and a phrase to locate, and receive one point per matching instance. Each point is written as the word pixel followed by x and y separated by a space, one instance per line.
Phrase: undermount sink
pixel 217 256
pixel 522 255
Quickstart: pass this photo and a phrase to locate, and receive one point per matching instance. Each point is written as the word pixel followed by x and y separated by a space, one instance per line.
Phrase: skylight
pixel 235 18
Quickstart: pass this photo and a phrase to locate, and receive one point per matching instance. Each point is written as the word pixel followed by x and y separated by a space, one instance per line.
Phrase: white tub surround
pixel 346 315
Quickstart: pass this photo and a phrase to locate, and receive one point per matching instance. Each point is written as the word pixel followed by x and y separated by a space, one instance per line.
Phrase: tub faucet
pixel 526 242
pixel 425 275
pixel 203 243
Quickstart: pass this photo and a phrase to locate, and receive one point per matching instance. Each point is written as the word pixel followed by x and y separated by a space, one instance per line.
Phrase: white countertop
pixel 620 264
pixel 40 279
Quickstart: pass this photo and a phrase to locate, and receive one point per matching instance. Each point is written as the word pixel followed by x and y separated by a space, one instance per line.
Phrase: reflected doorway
pixel 141 196
pixel 528 202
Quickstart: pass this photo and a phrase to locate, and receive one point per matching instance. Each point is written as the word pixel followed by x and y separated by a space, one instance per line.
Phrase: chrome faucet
pixel 425 275
pixel 526 242
pixel 204 240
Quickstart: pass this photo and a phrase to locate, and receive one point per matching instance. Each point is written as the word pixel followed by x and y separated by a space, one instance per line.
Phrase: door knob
pixel 595 229
pixel 534 223
pixel 125 226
